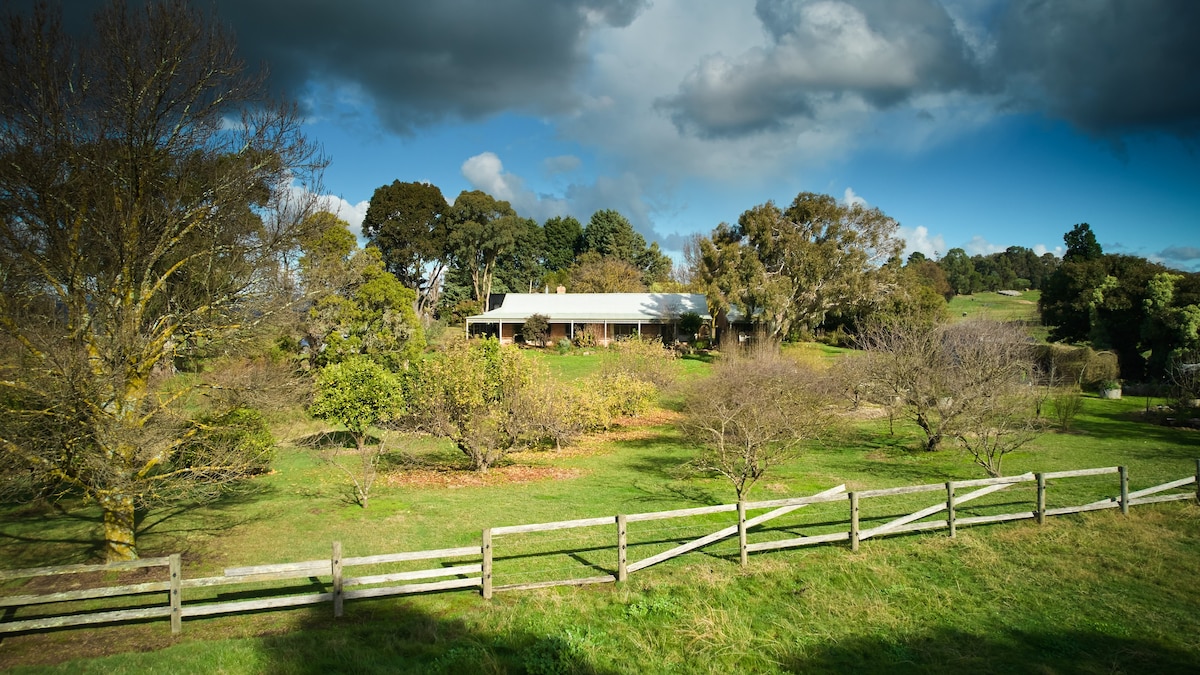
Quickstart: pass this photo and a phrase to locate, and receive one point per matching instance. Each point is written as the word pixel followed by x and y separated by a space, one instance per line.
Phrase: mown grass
pixel 1090 593
pixel 989 305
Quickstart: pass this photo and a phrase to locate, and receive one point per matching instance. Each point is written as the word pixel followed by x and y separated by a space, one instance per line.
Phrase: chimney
pixel 561 290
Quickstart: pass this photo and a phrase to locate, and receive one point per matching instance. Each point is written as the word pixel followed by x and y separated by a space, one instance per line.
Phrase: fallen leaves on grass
pixel 459 478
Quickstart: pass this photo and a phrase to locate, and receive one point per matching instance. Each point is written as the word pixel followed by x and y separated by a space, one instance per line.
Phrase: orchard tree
pixel 146 184
pixel 472 394
pixel 407 223
pixel 949 378
pixel 358 394
pixel 752 413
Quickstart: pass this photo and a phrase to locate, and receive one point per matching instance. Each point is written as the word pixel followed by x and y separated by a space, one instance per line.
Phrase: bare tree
pixel 948 378
pixel 751 414
pixel 150 197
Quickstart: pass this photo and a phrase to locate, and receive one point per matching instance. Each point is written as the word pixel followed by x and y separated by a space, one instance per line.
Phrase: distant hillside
pixel 990 305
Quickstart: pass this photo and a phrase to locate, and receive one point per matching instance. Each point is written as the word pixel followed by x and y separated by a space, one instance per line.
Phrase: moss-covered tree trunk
pixel 119 533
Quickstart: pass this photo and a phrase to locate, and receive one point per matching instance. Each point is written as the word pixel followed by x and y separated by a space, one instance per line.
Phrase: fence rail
pixel 474 566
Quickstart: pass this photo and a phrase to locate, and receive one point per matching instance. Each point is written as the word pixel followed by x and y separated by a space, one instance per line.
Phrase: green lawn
pixel 997 307
pixel 1090 593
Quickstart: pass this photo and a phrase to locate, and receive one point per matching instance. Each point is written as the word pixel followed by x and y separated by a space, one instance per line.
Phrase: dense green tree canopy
pixel 564 241
pixel 407 223
pixel 482 230
pixel 795 265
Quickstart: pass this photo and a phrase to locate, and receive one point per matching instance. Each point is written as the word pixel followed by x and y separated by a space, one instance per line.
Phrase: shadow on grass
pixel 952 651
pixel 333 439
pixel 390 636
pixel 71 531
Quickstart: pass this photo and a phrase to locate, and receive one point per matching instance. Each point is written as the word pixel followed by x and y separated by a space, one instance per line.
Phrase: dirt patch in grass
pixel 459 478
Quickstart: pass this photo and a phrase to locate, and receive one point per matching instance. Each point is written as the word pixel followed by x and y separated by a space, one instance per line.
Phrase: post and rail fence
pixel 473 566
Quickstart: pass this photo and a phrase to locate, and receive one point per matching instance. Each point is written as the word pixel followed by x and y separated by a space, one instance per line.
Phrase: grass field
pixel 1090 593
pixel 996 307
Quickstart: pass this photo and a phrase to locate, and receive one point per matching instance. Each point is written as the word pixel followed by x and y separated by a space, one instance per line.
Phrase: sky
pixel 978 124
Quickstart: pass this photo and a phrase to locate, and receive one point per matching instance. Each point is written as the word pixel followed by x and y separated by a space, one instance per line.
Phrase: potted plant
pixel 1110 389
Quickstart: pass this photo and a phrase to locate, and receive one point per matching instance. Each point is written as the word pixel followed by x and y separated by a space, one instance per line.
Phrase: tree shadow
pixel 332 439
pixel 396 636
pixel 1005 651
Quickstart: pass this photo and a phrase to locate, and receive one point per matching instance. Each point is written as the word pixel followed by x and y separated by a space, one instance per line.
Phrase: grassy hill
pixel 1090 593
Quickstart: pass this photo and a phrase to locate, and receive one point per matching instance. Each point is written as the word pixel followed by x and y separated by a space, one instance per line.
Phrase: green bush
pixel 236 438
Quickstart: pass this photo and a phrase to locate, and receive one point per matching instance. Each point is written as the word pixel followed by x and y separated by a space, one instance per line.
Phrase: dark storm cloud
pixel 1109 67
pixel 882 52
pixel 421 61
pixel 418 62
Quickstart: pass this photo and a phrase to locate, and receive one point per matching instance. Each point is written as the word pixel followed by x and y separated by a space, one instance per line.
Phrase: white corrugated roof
pixel 596 307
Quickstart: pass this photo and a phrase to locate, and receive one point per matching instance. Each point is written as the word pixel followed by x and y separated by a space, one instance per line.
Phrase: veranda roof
pixel 596 307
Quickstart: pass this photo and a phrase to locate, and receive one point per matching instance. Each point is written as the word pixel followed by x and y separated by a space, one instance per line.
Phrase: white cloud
pixel 850 198
pixel 1041 249
pixel 486 172
pixel 351 213
pixel 980 246
pixel 919 239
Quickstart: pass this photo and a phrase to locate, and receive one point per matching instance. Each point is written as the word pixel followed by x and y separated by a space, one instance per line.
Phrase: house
pixel 607 316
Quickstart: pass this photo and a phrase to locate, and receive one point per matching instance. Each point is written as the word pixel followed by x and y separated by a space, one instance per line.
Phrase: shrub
pixel 586 337
pixel 236 437
pixel 357 393
pixel 536 329
pixel 1065 403
pixel 689 325
pixel 645 360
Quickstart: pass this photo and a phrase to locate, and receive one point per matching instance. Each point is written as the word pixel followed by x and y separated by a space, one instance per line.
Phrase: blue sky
pixel 975 123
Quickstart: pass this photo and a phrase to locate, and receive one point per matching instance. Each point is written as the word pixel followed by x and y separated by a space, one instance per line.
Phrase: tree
pixel 471 394
pixel 611 235
pixel 960 271
pixel 482 229
pixel 407 223
pixel 1081 244
pixel 358 306
pixel 947 378
pixel 751 414
pixel 536 329
pixel 358 394
pixel 593 273
pixel 146 214
pixel 521 269
pixel 564 241
pixel 794 265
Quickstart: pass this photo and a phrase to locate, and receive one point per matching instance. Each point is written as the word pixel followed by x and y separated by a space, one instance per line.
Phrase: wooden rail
pixel 333 585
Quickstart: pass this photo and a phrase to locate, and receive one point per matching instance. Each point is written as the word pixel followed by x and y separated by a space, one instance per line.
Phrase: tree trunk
pixel 119 541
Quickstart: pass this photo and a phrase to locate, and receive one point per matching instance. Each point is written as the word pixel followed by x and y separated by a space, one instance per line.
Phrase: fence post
pixel 1198 480
pixel 1041 499
pixel 1124 472
pixel 950 508
pixel 336 563
pixel 176 594
pixel 622 559
pixel 853 521
pixel 486 550
pixel 742 552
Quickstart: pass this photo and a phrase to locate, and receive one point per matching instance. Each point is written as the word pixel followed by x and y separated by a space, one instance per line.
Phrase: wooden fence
pixel 473 566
